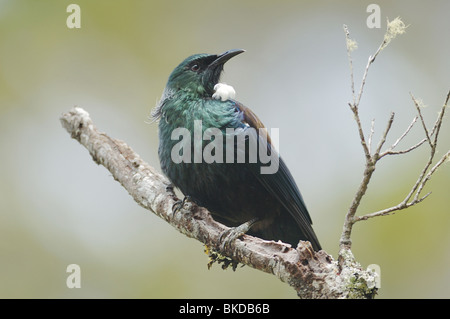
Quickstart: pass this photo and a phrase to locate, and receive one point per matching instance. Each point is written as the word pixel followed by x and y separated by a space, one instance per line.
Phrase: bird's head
pixel 200 72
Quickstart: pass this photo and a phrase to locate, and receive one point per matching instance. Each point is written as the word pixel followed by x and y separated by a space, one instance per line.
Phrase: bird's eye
pixel 195 68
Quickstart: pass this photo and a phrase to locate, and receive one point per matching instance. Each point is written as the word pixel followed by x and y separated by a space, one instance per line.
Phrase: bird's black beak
pixel 224 57
pixel 213 71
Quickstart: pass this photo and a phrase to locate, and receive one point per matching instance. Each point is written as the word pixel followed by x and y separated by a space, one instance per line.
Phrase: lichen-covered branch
pixel 311 274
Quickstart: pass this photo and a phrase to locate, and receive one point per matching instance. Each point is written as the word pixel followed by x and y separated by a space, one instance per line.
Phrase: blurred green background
pixel 58 207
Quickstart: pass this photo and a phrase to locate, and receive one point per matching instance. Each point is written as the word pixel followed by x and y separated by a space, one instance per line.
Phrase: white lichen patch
pixel 394 28
pixel 420 103
pixel 358 283
pixel 351 45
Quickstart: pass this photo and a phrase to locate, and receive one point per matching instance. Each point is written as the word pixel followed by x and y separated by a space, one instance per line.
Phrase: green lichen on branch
pixel 358 282
pixel 216 257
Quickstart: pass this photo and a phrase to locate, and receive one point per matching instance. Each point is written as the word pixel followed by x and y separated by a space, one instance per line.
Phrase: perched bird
pixel 235 191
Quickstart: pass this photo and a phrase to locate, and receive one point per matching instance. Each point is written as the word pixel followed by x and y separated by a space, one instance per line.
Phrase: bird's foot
pixel 179 204
pixel 169 188
pixel 227 237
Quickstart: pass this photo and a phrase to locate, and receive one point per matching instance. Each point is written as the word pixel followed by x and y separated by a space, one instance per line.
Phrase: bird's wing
pixel 281 184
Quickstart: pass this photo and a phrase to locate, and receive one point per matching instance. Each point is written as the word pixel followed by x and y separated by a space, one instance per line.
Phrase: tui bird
pixel 235 191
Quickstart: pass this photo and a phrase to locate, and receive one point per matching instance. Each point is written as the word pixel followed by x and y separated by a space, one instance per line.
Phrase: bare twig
pixel 426 172
pixel 372 131
pixel 376 156
pixel 404 134
pixel 427 135
pixel 391 151
pixel 351 45
pixel 395 27
pixel 443 159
